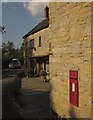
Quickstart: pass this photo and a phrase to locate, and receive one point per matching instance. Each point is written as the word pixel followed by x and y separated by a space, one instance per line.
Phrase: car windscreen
pixel 15 61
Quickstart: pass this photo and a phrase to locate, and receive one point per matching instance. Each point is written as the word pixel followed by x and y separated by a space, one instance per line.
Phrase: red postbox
pixel 73 79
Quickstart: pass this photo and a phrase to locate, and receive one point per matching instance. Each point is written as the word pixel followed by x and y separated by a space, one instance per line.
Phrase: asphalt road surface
pixel 34 98
pixel 8 72
pixel 8 107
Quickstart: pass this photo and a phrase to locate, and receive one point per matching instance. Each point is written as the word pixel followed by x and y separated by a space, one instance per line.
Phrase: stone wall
pixel 92 57
pixel 44 49
pixel 70 39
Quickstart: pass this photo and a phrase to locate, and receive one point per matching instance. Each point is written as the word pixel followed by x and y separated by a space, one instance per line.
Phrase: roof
pixel 43 24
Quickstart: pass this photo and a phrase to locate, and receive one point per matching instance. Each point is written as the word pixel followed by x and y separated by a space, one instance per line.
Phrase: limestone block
pixel 75 32
pixel 85 69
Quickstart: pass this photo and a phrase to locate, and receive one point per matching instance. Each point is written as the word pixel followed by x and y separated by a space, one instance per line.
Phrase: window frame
pixel 32 43
pixel 40 43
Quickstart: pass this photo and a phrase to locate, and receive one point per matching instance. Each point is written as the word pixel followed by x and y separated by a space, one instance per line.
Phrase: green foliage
pixel 9 52
pixel 21 52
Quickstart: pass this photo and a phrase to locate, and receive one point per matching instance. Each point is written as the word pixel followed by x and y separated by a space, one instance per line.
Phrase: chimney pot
pixel 46 12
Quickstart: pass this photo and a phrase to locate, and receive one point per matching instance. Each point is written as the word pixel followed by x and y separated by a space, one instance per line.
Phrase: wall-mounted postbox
pixel 73 80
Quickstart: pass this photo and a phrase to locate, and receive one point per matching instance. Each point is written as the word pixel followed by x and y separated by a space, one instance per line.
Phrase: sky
pixel 19 18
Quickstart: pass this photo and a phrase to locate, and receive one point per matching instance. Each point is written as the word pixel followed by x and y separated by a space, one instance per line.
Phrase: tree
pixel 21 52
pixel 9 52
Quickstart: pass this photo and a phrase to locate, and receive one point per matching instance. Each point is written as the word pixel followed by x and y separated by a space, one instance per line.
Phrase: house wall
pixel 44 49
pixel 70 39
pixel 39 52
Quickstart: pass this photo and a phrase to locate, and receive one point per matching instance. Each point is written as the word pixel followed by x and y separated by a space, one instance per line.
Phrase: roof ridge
pixel 43 24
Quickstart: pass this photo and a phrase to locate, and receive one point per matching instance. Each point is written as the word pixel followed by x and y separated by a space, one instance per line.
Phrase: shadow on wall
pixel 54 114
pixel 72 113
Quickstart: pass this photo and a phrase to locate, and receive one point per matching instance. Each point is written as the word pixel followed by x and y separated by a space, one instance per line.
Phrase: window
pixel 32 44
pixel 40 41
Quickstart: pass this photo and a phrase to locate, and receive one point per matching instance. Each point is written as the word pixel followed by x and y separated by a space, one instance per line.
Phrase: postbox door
pixel 74 92
pixel 74 88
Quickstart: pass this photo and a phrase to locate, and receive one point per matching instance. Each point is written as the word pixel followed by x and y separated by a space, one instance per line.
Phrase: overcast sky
pixel 19 18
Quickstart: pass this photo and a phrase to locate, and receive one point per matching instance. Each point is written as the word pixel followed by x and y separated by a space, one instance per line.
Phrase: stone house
pixel 36 54
pixel 66 48
pixel 70 59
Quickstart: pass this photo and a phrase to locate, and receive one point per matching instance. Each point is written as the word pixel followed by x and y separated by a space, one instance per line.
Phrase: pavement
pixel 34 99
pixel 31 102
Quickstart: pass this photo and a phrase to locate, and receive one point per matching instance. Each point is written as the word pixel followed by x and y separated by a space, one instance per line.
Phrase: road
pixel 34 101
pixel 8 107
pixel 7 72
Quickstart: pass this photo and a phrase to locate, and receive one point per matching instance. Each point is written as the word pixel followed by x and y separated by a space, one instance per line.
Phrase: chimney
pixel 46 12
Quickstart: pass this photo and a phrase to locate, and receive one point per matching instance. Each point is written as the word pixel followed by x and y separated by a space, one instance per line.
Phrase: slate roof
pixel 43 24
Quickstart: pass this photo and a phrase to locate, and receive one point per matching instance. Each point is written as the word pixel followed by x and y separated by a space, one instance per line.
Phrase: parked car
pixel 15 63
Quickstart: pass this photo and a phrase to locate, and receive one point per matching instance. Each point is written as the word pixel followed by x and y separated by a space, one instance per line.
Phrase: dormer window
pixel 40 41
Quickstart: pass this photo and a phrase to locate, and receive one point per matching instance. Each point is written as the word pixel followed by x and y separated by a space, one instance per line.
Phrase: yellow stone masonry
pixel 44 49
pixel 70 38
